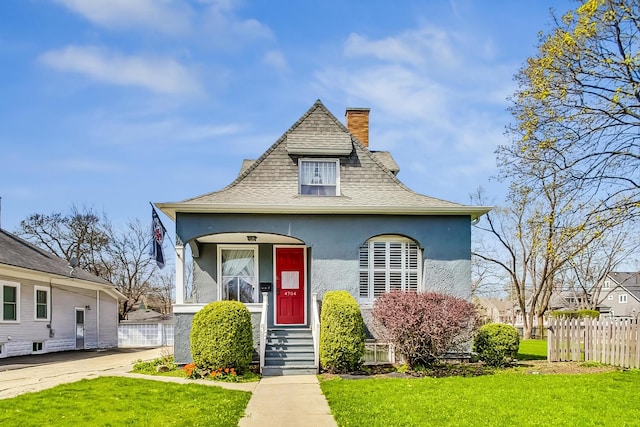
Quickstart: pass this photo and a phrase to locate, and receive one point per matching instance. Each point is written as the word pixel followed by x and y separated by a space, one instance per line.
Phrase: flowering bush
pixel 191 371
pixel 424 325
pixel 226 374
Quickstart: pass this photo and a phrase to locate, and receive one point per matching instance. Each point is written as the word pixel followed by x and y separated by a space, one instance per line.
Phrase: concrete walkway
pixel 26 374
pixel 290 400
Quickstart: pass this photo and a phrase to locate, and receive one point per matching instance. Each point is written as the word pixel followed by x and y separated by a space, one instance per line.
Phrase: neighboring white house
pixel 47 306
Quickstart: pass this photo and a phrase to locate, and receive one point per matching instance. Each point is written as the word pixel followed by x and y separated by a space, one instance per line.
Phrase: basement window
pixel 37 347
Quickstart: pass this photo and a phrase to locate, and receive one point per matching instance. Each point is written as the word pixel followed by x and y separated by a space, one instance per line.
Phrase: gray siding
pixel 58 334
pixel 629 309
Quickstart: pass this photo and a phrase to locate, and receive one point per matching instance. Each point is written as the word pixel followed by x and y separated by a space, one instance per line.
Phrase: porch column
pixel 179 274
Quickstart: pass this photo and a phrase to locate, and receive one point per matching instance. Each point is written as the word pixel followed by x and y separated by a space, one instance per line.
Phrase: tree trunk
pixel 541 331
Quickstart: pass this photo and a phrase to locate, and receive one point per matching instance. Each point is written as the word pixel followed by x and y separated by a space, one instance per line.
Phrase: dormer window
pixel 319 177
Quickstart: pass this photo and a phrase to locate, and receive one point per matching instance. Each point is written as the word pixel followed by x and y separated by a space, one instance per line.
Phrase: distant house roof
pixel 146 315
pixel 18 253
pixel 368 186
pixel 628 280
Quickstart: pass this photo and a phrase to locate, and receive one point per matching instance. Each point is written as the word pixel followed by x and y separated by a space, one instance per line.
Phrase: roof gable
pixel 367 179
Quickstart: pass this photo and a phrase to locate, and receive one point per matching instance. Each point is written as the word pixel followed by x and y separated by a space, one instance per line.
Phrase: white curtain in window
pixel 238 275
pixel 318 173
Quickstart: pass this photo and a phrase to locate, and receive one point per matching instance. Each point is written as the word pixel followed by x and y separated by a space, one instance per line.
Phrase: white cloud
pixel 165 16
pixel 426 45
pixel 276 59
pixel 156 132
pixel 159 75
pixel 224 28
pixel 437 93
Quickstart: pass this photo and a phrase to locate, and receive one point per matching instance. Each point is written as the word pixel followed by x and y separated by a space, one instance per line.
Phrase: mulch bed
pixel 532 367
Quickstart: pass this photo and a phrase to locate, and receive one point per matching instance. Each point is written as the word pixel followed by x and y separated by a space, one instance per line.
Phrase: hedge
pixel 575 314
pixel 222 337
pixel 342 333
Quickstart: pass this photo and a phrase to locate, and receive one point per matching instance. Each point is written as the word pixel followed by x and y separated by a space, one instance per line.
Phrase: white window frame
pixel 308 160
pixel 35 303
pixel 16 285
pixel 405 269
pixel 622 299
pixel 37 344
pixel 607 284
pixel 256 288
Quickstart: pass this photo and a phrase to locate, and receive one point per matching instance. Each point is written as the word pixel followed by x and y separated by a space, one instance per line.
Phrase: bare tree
pixel 80 234
pixel 119 256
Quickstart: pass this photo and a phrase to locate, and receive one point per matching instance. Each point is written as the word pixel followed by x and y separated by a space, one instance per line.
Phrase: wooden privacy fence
pixel 609 341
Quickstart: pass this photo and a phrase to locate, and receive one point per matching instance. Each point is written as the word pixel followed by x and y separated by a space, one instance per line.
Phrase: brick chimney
pixel 358 123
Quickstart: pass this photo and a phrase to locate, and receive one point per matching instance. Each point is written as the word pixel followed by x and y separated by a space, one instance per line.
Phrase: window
pixel 607 284
pixel 41 299
pixel 238 273
pixel 37 347
pixel 622 298
pixel 388 263
pixel 320 177
pixel 10 301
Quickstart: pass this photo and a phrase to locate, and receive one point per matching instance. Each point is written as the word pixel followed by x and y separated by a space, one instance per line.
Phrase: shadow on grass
pixel 525 356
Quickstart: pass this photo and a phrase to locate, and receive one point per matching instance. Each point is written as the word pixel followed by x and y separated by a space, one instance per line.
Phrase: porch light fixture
pixel 252 238
pixel 87 307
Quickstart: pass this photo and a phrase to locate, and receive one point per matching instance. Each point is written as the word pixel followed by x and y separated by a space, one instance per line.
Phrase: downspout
pixel 51 331
pixel 98 316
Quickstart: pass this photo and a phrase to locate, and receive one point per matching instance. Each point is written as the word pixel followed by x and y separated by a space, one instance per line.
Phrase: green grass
pixel 505 399
pixel 113 401
pixel 532 350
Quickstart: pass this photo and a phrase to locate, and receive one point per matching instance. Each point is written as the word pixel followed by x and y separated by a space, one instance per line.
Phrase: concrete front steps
pixel 289 351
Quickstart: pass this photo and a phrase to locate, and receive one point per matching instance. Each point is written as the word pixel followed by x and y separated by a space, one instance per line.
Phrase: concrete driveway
pixel 24 374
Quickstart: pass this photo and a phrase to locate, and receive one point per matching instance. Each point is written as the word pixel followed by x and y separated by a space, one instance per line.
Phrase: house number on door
pixel 290 293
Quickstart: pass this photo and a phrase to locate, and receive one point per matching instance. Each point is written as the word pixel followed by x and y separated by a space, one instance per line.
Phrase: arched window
pixel 389 263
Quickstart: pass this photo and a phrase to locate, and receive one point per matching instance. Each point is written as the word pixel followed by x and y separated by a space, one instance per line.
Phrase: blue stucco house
pixel 318 211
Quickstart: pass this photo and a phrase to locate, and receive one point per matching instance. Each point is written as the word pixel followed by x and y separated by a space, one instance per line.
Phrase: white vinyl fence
pixel 145 335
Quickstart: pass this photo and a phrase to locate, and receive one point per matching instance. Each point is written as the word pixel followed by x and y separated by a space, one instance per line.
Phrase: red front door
pixel 290 286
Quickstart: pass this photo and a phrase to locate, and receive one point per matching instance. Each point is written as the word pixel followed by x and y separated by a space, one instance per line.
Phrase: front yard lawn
pixel 114 401
pixel 532 350
pixel 504 399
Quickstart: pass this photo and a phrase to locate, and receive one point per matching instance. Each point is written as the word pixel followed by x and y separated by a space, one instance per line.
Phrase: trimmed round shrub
pixel 222 337
pixel 496 342
pixel 341 333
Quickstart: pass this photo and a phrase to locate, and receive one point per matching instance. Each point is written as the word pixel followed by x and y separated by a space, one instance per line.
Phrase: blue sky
pixel 111 104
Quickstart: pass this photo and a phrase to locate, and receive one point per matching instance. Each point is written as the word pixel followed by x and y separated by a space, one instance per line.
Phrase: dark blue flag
pixel 157 238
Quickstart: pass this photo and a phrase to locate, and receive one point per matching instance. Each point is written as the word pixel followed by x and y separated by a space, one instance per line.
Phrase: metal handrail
pixel 263 328
pixel 315 330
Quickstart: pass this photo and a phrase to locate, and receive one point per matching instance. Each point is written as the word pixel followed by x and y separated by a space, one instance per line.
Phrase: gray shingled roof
pixel 367 185
pixel 387 160
pixel 17 252
pixel 630 281
pixel 318 135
